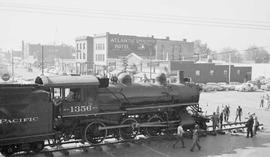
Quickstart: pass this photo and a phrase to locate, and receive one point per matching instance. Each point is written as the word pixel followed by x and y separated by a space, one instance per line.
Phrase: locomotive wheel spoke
pixel 131 132
pixel 154 131
pixel 92 134
pixel 8 150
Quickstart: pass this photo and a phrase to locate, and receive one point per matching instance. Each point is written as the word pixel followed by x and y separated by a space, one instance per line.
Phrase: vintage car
pixel 246 87
pixel 226 86
pixel 211 86
pixel 266 87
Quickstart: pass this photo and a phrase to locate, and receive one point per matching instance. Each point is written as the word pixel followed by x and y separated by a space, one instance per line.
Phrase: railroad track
pixel 139 140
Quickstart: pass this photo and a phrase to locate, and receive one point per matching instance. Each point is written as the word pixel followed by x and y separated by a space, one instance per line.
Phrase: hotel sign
pixel 122 45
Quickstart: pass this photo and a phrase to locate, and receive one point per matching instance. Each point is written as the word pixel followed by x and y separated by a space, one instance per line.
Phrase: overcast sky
pixel 219 23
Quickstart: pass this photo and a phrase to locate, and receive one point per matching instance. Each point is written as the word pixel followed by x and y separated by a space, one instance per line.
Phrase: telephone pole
pixel 42 60
pixel 229 67
pixel 12 64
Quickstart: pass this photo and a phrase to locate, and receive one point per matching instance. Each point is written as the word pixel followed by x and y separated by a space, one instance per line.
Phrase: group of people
pixel 195 137
pixel 252 125
pixel 218 117
pixel 265 100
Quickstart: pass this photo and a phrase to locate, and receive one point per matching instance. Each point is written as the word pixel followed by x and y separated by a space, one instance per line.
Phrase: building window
pixel 84 46
pixel 238 72
pixel 77 46
pixel 225 72
pixel 100 57
pixel 80 55
pixel 80 46
pixel 211 72
pixel 197 73
pixel 83 55
pixel 100 46
pixel 163 52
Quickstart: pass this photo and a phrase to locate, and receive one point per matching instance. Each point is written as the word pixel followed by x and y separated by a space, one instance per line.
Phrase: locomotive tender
pixel 85 108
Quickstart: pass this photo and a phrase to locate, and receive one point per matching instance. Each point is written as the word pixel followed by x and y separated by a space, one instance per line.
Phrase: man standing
pixel 221 120
pixel 249 126
pixel 195 138
pixel 214 119
pixel 179 136
pixel 262 102
pixel 255 125
pixel 238 113
pixel 225 113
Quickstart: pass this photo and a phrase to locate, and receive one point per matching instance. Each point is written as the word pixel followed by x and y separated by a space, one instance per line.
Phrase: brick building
pixel 84 55
pixel 210 72
pixel 107 46
pixel 167 49
pixel 114 46
pixel 50 52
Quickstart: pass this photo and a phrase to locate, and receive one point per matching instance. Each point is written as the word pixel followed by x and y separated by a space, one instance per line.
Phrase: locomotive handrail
pixel 96 114
pixel 160 106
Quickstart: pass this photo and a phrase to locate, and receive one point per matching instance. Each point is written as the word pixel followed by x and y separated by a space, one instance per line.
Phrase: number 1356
pixel 80 108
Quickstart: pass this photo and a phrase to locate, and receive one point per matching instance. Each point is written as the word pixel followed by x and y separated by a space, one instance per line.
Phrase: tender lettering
pixel 19 120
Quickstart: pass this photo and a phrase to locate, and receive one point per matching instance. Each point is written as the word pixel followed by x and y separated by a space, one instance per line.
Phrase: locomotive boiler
pixel 87 108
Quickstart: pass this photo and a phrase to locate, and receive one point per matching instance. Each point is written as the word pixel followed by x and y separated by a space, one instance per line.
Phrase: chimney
pixel 152 37
pixel 184 40
pixel 167 38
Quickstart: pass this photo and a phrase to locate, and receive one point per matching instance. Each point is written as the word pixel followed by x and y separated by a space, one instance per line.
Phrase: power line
pixel 145 18
pixel 132 13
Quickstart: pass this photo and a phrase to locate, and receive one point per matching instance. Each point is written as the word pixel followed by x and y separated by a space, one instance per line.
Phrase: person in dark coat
pixel 214 119
pixel 221 120
pixel 249 126
pixel 238 113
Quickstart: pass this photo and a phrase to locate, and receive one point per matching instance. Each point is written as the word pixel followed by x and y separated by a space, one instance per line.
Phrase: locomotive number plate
pixel 81 108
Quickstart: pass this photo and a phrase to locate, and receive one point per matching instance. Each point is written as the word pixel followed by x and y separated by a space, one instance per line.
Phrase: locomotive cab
pixel 72 95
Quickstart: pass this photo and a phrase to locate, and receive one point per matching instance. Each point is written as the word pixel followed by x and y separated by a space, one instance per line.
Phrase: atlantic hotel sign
pixel 122 45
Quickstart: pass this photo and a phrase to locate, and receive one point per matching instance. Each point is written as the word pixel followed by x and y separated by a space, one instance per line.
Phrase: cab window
pixel 73 94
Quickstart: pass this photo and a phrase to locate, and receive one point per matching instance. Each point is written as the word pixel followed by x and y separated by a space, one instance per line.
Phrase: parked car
pixel 226 85
pixel 266 87
pixel 235 85
pixel 246 87
pixel 211 86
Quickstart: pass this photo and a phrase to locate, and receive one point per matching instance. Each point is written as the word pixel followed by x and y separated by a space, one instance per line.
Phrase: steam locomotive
pixel 90 109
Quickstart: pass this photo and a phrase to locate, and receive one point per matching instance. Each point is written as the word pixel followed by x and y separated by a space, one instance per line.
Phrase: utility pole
pixel 150 49
pixel 12 64
pixel 229 68
pixel 42 60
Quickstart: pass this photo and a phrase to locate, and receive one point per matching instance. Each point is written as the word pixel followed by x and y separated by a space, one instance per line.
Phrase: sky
pixel 219 23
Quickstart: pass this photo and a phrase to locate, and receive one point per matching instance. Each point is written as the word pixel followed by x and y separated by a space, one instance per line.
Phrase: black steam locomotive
pixel 89 109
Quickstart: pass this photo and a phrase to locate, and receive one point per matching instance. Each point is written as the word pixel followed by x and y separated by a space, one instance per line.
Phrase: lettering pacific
pixel 19 120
